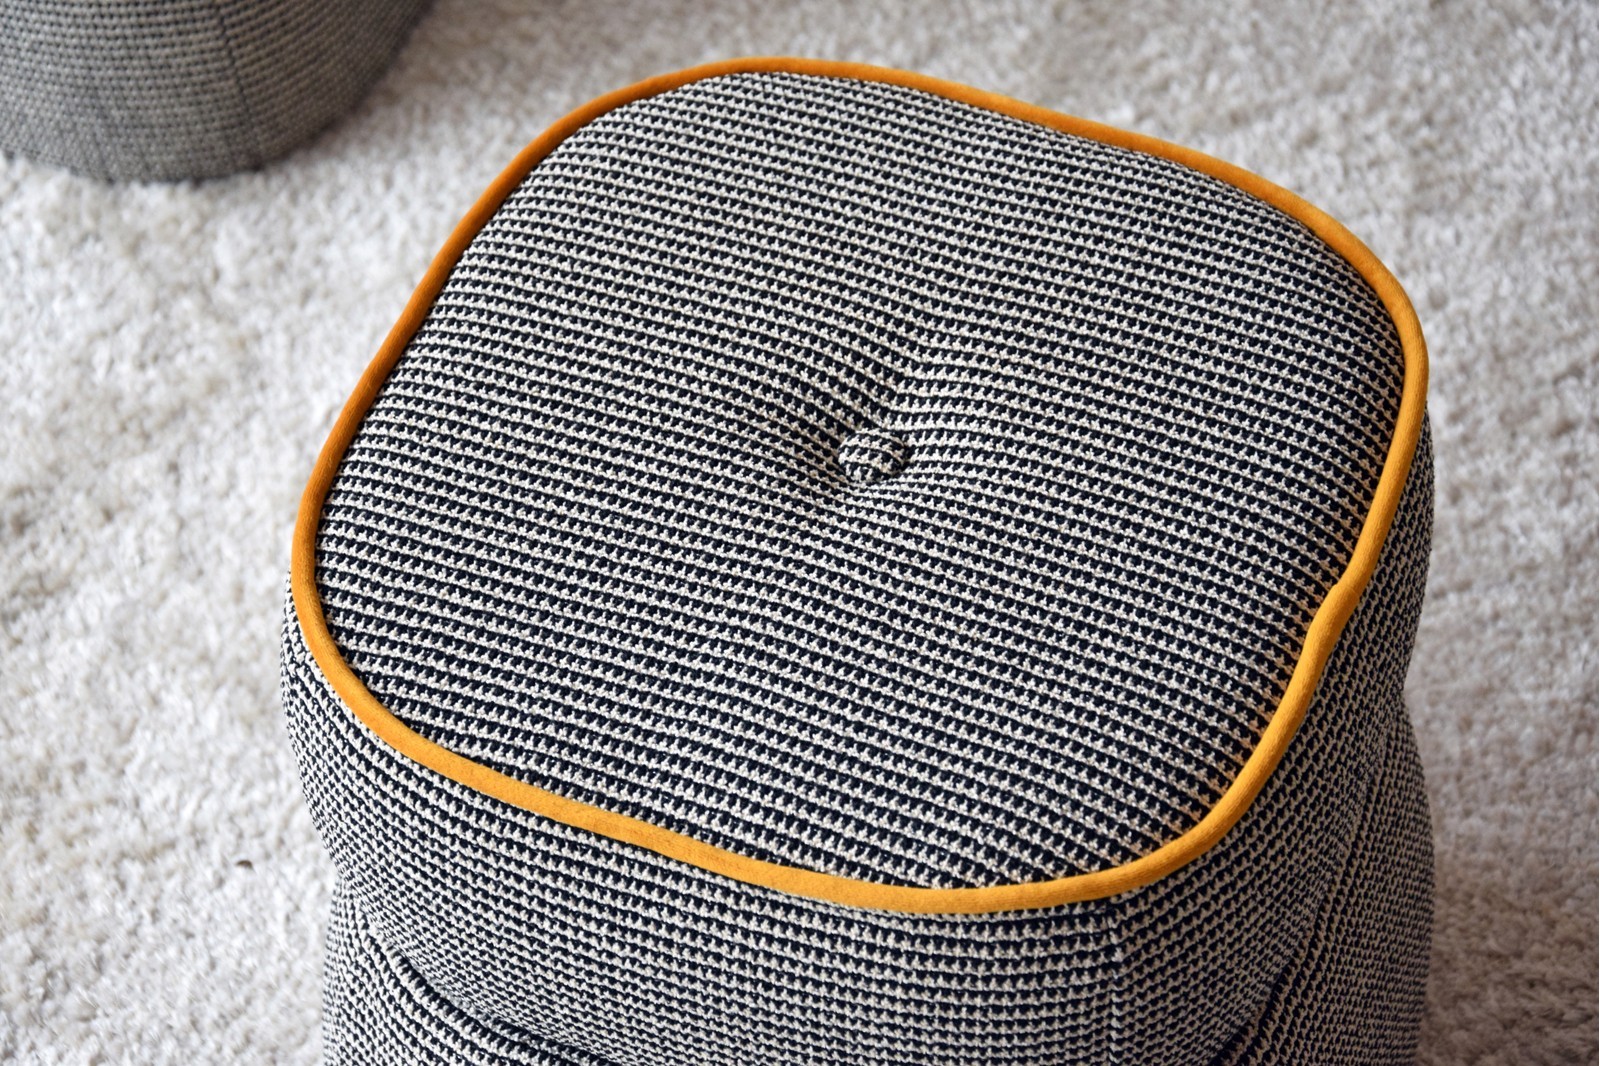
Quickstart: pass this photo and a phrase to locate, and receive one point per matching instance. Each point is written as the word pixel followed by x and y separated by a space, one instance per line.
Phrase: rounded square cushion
pixel 836 567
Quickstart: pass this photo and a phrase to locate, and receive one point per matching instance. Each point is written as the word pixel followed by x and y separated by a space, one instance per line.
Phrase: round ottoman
pixel 169 89
pixel 835 567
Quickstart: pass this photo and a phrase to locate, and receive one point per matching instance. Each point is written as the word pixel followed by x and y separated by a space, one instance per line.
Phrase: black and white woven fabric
pixel 168 89
pixel 865 481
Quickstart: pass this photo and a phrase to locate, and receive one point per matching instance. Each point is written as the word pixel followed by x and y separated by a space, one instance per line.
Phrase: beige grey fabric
pixel 170 89
pixel 870 483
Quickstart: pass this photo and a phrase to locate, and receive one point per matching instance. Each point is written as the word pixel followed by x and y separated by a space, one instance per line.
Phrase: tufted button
pixel 872 454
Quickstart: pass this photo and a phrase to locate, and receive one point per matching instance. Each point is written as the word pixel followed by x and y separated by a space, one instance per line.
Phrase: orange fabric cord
pixel 1326 625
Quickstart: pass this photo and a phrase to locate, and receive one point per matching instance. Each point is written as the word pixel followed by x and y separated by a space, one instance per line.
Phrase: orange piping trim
pixel 1323 633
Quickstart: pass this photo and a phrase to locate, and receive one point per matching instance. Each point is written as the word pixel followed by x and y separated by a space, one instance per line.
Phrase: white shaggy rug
pixel 172 356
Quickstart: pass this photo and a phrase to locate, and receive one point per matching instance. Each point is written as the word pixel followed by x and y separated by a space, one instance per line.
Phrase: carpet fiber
pixel 176 354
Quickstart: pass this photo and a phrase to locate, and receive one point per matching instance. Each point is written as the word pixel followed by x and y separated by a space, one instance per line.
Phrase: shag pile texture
pixel 174 356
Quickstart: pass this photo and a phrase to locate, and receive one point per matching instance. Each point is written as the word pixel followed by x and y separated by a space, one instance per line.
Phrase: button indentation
pixel 872 454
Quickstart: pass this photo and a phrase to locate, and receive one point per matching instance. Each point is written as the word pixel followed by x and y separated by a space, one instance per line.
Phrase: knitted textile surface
pixel 168 89
pixel 862 481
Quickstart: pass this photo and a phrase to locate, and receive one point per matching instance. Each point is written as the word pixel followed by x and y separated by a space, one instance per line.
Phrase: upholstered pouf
pixel 834 567
pixel 168 89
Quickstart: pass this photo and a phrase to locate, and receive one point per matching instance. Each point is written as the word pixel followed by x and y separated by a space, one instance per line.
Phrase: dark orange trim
pixel 1326 624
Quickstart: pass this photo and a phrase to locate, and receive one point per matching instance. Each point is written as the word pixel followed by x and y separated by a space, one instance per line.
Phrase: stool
pixel 170 89
pixel 835 567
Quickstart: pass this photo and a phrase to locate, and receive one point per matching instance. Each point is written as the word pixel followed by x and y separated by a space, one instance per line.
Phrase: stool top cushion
pixel 598 533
